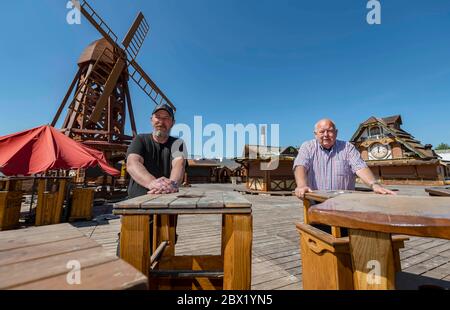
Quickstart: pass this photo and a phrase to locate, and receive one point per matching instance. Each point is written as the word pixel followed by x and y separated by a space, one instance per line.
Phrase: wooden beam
pixel 130 110
pixel 66 97
pixel 108 89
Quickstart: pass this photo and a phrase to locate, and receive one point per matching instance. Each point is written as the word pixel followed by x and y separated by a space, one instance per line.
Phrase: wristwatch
pixel 175 184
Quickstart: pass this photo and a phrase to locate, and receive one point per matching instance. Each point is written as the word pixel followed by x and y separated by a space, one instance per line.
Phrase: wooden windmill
pixel 99 94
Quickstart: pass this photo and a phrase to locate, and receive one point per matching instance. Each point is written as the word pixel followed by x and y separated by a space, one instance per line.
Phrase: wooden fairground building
pixel 204 170
pixel 395 156
pixel 200 171
pixel 268 168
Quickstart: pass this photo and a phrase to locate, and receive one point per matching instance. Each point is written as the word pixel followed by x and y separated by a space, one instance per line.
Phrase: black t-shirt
pixel 157 158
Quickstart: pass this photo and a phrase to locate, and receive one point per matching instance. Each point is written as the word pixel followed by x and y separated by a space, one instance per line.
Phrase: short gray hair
pixel 322 121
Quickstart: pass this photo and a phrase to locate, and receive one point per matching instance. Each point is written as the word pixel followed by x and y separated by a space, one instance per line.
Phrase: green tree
pixel 443 146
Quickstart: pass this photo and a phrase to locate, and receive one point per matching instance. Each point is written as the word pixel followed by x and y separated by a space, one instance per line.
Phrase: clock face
pixel 379 150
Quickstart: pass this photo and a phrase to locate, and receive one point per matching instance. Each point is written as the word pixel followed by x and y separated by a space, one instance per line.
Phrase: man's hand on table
pixel 301 191
pixel 378 189
pixel 162 185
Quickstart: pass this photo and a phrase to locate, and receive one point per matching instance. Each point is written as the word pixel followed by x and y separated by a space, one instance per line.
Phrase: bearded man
pixel 156 161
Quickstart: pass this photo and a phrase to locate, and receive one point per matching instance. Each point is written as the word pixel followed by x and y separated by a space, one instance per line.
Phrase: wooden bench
pixel 10 203
pixel 51 194
pixel 47 257
pixel 230 271
pixel 326 260
pixel 82 204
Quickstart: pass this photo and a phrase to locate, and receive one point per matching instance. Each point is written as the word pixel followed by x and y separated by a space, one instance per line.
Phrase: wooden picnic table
pixel 46 257
pixel 371 221
pixel 438 191
pixel 232 268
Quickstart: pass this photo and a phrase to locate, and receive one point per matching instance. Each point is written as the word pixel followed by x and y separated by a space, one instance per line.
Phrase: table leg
pixel 306 206
pixel 237 251
pixel 165 231
pixel 135 241
pixel 372 260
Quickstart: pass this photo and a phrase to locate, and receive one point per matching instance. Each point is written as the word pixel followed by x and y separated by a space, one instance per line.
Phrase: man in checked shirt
pixel 326 163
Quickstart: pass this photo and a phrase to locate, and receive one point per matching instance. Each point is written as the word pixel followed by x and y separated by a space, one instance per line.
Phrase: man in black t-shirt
pixel 156 161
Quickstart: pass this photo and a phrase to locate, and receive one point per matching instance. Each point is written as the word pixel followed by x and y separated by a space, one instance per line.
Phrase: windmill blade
pixel 147 85
pixel 97 22
pixel 135 36
pixel 132 43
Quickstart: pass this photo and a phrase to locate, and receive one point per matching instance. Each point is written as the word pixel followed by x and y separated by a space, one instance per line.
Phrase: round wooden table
pixel 372 219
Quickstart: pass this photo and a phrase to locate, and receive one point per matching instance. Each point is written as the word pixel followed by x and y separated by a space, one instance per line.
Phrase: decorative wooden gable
pixel 384 139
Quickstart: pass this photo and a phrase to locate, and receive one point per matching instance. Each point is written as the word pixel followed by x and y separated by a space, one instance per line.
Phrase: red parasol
pixel 45 148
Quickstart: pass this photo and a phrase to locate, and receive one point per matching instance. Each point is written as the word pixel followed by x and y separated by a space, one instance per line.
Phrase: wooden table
pixel 372 220
pixel 321 196
pixel 438 191
pixel 234 263
pixel 45 257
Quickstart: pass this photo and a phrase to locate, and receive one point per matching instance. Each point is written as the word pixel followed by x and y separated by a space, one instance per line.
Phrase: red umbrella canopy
pixel 45 148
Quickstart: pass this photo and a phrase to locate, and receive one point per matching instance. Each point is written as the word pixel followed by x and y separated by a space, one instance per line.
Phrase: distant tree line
pixel 443 146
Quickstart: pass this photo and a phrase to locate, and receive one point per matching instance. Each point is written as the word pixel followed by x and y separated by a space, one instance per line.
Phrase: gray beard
pixel 161 134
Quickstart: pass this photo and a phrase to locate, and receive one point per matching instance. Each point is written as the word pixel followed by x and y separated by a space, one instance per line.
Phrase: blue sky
pixel 286 62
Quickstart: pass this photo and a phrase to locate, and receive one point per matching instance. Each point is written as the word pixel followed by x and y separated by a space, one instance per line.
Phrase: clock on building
pixel 379 151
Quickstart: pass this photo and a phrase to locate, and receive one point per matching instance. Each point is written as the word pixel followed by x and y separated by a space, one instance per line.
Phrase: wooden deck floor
pixel 276 261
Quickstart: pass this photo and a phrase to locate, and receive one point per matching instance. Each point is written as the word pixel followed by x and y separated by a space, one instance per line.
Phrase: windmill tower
pixel 99 97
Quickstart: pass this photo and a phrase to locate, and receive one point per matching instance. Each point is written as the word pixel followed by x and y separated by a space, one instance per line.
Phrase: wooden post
pixel 59 201
pixel 135 241
pixel 238 252
pixel 224 237
pixel 40 203
pixel 266 185
pixel 166 232
pixel 336 231
pixel 372 260
pixel 154 226
pixel 306 205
